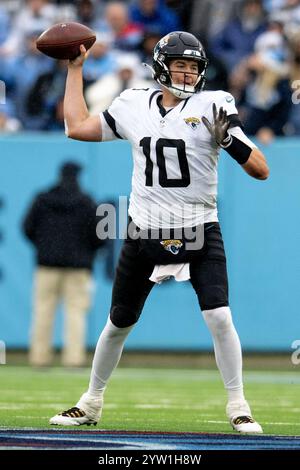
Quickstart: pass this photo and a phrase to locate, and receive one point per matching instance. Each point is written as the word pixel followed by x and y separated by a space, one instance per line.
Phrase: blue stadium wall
pixel 261 228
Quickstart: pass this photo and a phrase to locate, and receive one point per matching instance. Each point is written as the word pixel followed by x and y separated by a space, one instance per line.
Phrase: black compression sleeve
pixel 237 149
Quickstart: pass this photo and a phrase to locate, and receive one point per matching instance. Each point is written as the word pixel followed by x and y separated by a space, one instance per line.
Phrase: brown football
pixel 62 40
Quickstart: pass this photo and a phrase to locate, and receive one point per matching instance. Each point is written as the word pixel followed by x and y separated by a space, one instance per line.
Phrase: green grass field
pixel 150 399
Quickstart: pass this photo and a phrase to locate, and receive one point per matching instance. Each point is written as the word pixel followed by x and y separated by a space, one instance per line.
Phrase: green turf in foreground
pixel 150 399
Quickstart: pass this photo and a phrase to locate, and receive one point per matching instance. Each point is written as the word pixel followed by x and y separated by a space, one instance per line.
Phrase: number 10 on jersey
pixel 163 179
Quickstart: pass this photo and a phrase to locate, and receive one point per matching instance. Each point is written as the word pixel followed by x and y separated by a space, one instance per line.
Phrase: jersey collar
pixel 162 110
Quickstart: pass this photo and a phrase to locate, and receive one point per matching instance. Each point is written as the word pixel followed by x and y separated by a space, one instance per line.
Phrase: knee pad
pixel 218 319
pixel 122 317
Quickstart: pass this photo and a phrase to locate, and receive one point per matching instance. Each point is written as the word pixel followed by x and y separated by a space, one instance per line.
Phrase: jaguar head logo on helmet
pixel 179 45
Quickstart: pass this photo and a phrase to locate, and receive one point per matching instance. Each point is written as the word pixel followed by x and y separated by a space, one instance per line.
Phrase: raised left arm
pixel 237 144
pixel 256 165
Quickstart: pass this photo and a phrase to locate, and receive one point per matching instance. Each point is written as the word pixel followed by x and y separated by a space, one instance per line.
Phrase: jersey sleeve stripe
pixel 152 96
pixel 112 123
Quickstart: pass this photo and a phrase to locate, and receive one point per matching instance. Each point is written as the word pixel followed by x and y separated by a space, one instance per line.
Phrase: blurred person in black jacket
pixel 61 224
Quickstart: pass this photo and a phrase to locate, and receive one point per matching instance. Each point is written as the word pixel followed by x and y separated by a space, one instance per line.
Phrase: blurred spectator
pixel 216 74
pixel 204 18
pixel 58 121
pixel 101 60
pixel 89 14
pixel 267 94
pixel 288 15
pixel 154 15
pixel 150 39
pixel 237 39
pixel 183 11
pixel 126 35
pixel 11 6
pixel 100 95
pixel 63 2
pixel 61 224
pixel 272 5
pixel 4 25
pixel 35 15
pixel 8 123
pixel 21 73
pixel 45 97
pixel 293 127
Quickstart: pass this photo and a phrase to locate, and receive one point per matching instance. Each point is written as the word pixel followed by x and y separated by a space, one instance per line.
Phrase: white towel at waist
pixel 161 272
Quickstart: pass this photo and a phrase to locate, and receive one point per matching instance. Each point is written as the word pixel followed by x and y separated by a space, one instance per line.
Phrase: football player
pixel 176 133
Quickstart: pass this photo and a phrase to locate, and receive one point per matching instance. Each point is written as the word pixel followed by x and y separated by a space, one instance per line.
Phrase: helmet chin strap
pixel 181 91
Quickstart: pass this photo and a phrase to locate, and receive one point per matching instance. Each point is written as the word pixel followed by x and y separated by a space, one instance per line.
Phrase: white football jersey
pixel 174 182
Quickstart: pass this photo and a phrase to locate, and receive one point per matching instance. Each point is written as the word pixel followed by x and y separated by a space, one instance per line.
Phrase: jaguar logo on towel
pixel 172 245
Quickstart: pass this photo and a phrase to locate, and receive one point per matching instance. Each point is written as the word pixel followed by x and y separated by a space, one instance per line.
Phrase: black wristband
pixel 237 149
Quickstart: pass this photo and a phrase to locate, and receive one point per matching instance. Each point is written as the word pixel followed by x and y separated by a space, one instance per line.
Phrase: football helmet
pixel 178 45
